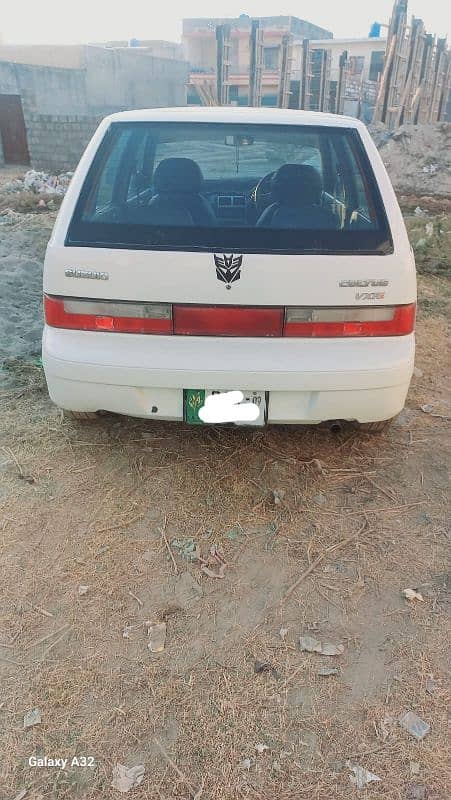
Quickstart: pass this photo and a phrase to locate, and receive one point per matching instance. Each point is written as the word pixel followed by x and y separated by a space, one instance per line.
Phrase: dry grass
pixel 87 506
pixel 430 235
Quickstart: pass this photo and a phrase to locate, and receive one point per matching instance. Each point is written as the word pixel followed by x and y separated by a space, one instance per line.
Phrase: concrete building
pixel 153 47
pixel 365 62
pixel 365 56
pixel 49 111
pixel 44 55
pixel 199 42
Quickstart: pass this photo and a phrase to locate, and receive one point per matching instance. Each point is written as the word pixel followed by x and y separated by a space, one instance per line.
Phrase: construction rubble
pixel 417 157
pixel 40 183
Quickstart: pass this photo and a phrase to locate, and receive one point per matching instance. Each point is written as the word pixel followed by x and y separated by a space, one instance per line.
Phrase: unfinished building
pixel 199 41
pixel 290 63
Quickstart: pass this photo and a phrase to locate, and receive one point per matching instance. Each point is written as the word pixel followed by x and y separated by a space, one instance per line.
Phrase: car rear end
pixel 152 303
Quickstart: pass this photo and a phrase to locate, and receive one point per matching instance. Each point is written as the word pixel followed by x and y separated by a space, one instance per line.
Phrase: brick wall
pixel 56 142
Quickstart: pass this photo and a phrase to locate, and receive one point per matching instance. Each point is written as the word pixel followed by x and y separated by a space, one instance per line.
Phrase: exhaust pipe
pixel 335 426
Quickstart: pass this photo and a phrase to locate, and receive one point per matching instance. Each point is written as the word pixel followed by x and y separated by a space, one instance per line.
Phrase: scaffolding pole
pixel 440 75
pixel 394 54
pixel 283 97
pixel 445 90
pixel 304 83
pixel 393 104
pixel 255 63
pixel 324 81
pixel 341 85
pixel 223 45
pixel 422 112
pixel 415 78
pixel 206 93
pixel 416 47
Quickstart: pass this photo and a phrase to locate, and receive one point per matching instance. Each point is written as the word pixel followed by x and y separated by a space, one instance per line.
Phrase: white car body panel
pixel 308 380
pixel 196 282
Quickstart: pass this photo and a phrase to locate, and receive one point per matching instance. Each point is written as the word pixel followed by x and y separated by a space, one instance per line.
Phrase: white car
pixel 258 255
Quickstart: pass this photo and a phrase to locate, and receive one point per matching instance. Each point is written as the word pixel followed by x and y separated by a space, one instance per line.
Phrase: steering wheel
pixel 261 195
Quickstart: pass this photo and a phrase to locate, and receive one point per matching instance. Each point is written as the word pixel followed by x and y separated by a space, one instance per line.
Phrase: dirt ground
pixel 100 528
pixel 417 157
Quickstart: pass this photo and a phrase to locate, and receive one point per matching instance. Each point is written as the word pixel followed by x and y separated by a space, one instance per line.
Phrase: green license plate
pixel 194 399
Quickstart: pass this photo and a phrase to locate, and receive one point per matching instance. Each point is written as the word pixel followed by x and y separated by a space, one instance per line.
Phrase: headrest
pixel 180 175
pixel 297 185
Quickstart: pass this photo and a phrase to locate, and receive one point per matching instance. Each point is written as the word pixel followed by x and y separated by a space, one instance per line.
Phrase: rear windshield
pixel 232 188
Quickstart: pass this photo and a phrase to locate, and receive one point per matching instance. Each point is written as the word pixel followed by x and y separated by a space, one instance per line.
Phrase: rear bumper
pixel 308 380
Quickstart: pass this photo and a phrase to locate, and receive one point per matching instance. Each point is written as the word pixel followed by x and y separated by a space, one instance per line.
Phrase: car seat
pixel 178 184
pixel 296 194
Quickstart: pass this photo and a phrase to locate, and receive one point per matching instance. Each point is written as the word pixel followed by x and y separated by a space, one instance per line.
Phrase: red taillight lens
pixel 228 321
pixel 105 315
pixel 190 320
pixel 352 321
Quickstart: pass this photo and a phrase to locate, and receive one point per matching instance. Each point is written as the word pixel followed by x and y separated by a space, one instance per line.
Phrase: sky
pixel 81 21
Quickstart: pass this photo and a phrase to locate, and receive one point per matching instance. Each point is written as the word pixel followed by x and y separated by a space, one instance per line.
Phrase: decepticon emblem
pixel 228 268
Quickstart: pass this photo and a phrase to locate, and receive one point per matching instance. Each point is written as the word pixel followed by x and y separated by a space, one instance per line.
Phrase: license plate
pixel 194 399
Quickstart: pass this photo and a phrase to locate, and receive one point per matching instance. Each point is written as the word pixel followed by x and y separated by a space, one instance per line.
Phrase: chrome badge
pixel 92 274
pixel 363 283
pixel 369 295
pixel 228 268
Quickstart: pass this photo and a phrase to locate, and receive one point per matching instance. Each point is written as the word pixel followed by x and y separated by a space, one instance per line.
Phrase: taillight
pixel 108 315
pixel 228 321
pixel 352 321
pixel 244 321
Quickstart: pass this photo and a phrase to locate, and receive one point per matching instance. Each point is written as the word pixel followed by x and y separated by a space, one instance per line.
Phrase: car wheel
pixel 81 416
pixel 375 427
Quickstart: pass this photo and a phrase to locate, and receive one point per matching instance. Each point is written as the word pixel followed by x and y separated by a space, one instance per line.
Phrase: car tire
pixel 81 416
pixel 375 427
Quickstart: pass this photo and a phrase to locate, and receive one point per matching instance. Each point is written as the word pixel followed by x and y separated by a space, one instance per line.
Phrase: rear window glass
pixel 231 187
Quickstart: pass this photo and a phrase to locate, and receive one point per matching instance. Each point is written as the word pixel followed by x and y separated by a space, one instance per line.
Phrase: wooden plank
pixel 439 78
pixel 445 90
pixel 416 42
pixel 377 117
pixel 397 77
pixel 426 80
